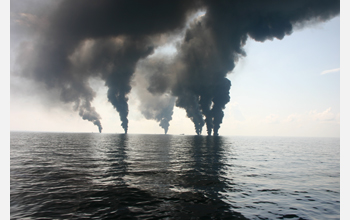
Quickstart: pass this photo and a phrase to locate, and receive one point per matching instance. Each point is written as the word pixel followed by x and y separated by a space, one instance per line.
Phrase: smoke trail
pixel 152 79
pixel 220 99
pixel 75 40
pixel 200 69
pixel 159 108
pixel 214 42
pixel 117 58
pixel 88 113
pixel 189 102
pixel 104 38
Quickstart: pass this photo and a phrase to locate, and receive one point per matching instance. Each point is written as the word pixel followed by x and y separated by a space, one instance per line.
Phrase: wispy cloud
pixel 330 71
pixel 272 119
pixel 292 118
pixel 326 115
pixel 234 111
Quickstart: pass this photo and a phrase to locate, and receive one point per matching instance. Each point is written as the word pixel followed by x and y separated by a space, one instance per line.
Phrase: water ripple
pixel 102 176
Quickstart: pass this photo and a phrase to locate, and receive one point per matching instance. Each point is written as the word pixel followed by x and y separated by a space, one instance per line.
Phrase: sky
pixel 288 87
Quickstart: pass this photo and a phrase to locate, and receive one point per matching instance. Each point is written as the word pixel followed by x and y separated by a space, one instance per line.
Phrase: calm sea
pixel 117 176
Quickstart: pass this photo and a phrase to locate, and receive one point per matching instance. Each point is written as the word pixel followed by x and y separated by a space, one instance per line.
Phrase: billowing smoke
pixel 113 39
pixel 83 39
pixel 214 42
pixel 152 80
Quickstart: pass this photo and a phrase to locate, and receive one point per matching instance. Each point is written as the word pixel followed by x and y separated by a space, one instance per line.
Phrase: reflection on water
pixel 118 176
pixel 79 176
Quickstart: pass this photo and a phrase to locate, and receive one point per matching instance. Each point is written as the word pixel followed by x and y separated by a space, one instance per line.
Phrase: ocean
pixel 118 176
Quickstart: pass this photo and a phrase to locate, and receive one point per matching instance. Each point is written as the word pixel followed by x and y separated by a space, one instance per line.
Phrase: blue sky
pixel 278 89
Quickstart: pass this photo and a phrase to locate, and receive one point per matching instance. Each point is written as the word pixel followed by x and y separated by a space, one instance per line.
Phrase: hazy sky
pixel 288 87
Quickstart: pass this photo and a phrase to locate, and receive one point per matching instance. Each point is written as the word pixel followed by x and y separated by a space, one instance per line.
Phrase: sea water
pixel 118 176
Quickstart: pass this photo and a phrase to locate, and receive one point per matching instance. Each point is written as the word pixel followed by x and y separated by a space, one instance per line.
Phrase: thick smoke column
pixel 202 88
pixel 105 38
pixel 117 59
pixel 77 40
pixel 214 42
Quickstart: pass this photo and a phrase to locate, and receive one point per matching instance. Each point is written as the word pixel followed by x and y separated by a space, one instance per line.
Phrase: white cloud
pixel 233 111
pixel 272 119
pixel 292 118
pixel 330 71
pixel 326 115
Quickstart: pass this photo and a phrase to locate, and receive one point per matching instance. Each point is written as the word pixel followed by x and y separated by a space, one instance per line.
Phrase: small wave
pixel 269 190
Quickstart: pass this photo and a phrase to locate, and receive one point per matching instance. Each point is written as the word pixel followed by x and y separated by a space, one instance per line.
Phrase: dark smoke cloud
pixel 214 42
pixel 72 41
pixel 114 34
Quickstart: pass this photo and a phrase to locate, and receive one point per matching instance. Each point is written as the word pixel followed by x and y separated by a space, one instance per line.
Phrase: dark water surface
pixel 117 176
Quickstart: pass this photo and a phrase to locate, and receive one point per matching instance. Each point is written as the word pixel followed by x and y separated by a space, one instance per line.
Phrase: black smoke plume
pixel 66 43
pixel 104 38
pixel 214 42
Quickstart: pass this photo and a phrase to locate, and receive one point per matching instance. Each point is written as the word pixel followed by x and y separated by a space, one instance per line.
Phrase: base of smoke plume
pixel 165 133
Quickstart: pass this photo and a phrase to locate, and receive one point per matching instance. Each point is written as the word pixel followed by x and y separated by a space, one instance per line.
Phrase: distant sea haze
pixel 127 176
